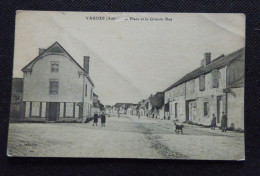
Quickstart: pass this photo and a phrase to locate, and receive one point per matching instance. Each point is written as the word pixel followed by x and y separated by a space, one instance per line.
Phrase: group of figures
pixel 179 126
pixel 103 119
pixel 223 122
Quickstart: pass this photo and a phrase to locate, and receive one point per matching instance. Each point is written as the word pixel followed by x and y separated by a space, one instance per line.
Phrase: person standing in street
pixel 95 121
pixel 138 115
pixel 224 122
pixel 103 119
pixel 213 122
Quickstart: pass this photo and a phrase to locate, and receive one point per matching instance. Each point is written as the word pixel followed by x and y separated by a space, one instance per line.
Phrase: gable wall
pixel 36 84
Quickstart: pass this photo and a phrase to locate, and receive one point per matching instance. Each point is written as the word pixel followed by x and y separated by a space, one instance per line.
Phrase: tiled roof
pixel 216 63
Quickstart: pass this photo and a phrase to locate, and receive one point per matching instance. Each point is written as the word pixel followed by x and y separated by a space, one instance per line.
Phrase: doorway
pixel 191 110
pixel 53 111
pixel 219 107
pixel 176 110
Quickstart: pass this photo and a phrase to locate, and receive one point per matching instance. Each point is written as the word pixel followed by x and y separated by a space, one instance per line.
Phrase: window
pixel 215 78
pixel 206 108
pixel 61 109
pixel 27 109
pixel 202 82
pixel 69 110
pixel 54 66
pixel 35 109
pixel 91 92
pixel 43 112
pixel 192 86
pixel 86 90
pixel 54 87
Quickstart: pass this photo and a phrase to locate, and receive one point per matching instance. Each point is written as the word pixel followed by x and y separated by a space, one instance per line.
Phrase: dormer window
pixel 54 66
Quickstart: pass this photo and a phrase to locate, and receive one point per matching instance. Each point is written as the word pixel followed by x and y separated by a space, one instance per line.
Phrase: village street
pixel 127 137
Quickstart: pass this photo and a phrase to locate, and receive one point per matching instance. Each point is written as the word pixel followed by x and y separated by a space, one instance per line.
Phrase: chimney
pixel 207 58
pixel 206 61
pixel 41 50
pixel 86 64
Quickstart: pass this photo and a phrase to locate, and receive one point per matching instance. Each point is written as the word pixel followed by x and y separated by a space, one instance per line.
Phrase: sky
pixel 129 59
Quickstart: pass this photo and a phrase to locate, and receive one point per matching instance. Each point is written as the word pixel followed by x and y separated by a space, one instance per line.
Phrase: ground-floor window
pixel 62 109
pixel 76 111
pixel 69 110
pixel 27 109
pixel 43 112
pixel 38 109
pixel 206 108
pixel 35 109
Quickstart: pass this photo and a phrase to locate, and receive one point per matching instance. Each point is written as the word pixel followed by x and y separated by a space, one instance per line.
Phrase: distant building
pixel 130 109
pixel 118 107
pixel 124 107
pixel 56 87
pixel 216 86
pixel 108 109
pixel 142 108
pixel 135 109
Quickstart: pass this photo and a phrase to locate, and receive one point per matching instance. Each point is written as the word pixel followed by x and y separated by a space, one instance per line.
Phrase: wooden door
pixel 53 111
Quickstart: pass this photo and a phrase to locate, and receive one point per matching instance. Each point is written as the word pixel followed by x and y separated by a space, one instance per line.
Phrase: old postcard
pixel 128 85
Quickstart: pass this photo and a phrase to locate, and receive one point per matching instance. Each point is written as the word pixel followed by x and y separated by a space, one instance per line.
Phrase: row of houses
pixel 54 88
pixel 150 107
pixel 215 87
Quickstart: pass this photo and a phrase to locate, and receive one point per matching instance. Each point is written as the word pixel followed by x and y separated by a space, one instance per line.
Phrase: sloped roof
pixel 118 105
pixel 216 63
pixel 57 49
pixel 127 105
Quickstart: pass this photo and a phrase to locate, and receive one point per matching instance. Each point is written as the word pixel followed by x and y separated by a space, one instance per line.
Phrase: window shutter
pixel 202 82
pixel 215 78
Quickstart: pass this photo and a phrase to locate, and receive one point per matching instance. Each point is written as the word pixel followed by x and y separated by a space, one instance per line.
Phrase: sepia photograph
pixel 128 85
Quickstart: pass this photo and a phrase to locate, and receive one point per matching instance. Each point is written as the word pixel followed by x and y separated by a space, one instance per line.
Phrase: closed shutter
pixel 215 78
pixel 202 82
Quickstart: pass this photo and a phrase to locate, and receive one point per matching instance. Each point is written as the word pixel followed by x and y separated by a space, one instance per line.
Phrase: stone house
pixel 56 87
pixel 216 86
pixel 130 109
pixel 124 107
pixel 120 107
pixel 135 110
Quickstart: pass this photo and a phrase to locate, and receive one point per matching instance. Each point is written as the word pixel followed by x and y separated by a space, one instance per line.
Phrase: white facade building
pixel 56 87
